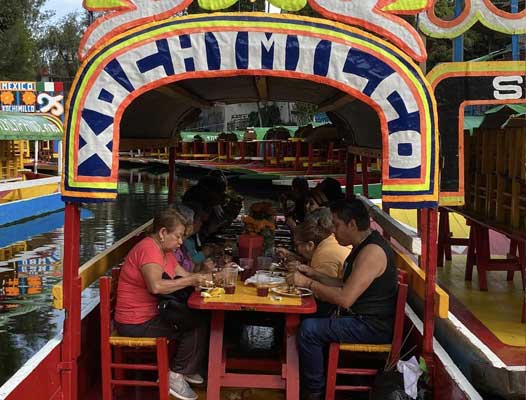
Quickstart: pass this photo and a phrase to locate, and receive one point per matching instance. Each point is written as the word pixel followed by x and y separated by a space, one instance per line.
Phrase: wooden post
pixel 428 229
pixel 297 164
pixel 311 159
pixel 72 303
pixel 349 175
pixel 365 176
pixel 171 175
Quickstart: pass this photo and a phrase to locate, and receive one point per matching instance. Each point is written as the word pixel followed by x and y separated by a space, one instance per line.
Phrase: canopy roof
pixel 173 107
pixel 21 126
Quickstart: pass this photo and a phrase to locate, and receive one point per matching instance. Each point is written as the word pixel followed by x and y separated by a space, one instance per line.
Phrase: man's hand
pixel 306 270
pixel 208 265
pixel 298 279
pixel 283 253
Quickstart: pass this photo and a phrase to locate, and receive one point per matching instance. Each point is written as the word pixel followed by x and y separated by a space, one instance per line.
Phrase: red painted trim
pixel 171 175
pixel 288 74
pixel 72 301
pixel 428 230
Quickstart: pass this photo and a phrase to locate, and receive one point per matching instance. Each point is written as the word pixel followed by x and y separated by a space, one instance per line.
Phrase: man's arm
pixel 320 276
pixel 370 263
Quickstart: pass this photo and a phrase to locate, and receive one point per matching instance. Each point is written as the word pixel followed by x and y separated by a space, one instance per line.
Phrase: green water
pixel 27 318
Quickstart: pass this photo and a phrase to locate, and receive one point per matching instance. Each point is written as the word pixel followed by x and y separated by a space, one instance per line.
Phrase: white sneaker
pixel 180 388
pixel 196 379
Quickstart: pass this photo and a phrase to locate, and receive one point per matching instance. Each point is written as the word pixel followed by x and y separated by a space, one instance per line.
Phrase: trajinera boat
pixel 147 68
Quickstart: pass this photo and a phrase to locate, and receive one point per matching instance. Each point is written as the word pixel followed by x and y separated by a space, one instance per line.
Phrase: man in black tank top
pixel 366 296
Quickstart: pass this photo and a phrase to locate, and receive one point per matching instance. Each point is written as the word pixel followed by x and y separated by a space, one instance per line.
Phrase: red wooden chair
pixel 112 346
pixel 393 349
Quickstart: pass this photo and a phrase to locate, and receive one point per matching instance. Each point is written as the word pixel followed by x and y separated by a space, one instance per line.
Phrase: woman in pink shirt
pixel 141 280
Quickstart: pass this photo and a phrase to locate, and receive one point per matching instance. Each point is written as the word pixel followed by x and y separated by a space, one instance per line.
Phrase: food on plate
pixel 215 292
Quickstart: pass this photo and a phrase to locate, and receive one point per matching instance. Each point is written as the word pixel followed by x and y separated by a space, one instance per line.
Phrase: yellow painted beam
pixel 417 283
pixel 100 264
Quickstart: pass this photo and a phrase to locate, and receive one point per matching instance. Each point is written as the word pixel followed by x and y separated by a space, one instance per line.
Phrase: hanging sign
pixel 325 52
pixel 31 97
pixel 457 85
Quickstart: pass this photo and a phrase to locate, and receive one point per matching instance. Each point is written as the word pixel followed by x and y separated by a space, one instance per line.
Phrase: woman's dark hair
pixel 199 210
pixel 213 183
pixel 346 210
pixel 300 184
pixel 169 219
pixel 217 173
pixel 332 189
pixel 318 196
pixel 310 231
pixel 203 195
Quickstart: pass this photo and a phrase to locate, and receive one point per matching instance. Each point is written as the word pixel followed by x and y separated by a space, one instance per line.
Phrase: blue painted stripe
pixel 26 230
pixel 403 61
pixel 22 209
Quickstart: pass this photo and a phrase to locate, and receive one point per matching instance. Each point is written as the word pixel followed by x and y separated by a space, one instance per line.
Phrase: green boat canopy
pixel 21 126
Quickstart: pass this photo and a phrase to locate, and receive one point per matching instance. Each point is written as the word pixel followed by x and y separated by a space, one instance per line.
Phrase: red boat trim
pixel 449 365
pixel 509 355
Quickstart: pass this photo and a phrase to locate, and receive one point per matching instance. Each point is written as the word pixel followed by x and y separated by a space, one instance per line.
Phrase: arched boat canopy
pixel 179 57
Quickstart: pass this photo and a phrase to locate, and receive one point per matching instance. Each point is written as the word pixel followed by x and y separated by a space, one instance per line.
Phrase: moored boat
pixel 389 86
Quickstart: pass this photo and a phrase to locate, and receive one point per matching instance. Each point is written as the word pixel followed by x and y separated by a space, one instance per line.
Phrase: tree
pixel 59 44
pixel 20 22
pixel 270 116
pixel 478 41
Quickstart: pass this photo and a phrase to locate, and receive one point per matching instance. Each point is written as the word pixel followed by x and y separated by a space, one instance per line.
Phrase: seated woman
pixel 314 200
pixel 297 196
pixel 316 245
pixel 193 250
pixel 137 313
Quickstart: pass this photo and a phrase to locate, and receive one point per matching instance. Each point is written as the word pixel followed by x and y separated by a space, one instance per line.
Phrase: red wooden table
pixel 217 359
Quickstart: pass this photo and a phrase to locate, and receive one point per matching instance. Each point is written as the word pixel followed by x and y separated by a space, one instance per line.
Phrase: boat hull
pixel 28 208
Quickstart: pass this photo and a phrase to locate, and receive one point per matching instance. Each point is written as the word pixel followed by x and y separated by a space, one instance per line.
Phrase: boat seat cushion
pixel 366 348
pixel 125 341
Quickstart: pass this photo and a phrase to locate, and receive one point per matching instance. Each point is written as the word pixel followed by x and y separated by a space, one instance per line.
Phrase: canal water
pixel 30 261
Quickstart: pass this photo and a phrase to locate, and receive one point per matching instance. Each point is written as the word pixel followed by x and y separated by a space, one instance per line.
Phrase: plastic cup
pixel 230 280
pixel 264 262
pixel 248 265
pixel 262 283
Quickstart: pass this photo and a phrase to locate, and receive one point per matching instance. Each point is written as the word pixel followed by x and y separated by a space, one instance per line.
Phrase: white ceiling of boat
pixel 161 112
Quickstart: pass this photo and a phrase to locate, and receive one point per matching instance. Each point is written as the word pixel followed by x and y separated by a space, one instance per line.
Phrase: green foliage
pixel 425 371
pixel 20 21
pixel 19 53
pixel 58 46
pixel 270 116
pixel 478 41
pixel 304 113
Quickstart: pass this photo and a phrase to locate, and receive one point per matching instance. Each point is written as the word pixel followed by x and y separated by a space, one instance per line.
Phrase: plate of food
pixel 292 291
pixel 207 285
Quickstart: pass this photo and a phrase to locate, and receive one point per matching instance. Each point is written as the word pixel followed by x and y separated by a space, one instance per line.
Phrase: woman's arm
pixel 153 278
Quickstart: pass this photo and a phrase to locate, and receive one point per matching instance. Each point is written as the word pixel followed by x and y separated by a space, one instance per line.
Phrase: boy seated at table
pixel 365 297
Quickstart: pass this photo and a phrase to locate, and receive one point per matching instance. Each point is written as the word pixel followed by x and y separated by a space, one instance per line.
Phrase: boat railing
pixel 410 247
pixel 93 269
pixel 21 184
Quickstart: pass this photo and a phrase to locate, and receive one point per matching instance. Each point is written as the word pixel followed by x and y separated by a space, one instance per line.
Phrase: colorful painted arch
pixel 226 45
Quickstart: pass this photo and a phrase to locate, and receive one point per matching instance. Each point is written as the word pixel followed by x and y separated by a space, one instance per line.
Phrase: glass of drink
pixel 262 283
pixel 230 278
pixel 247 264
